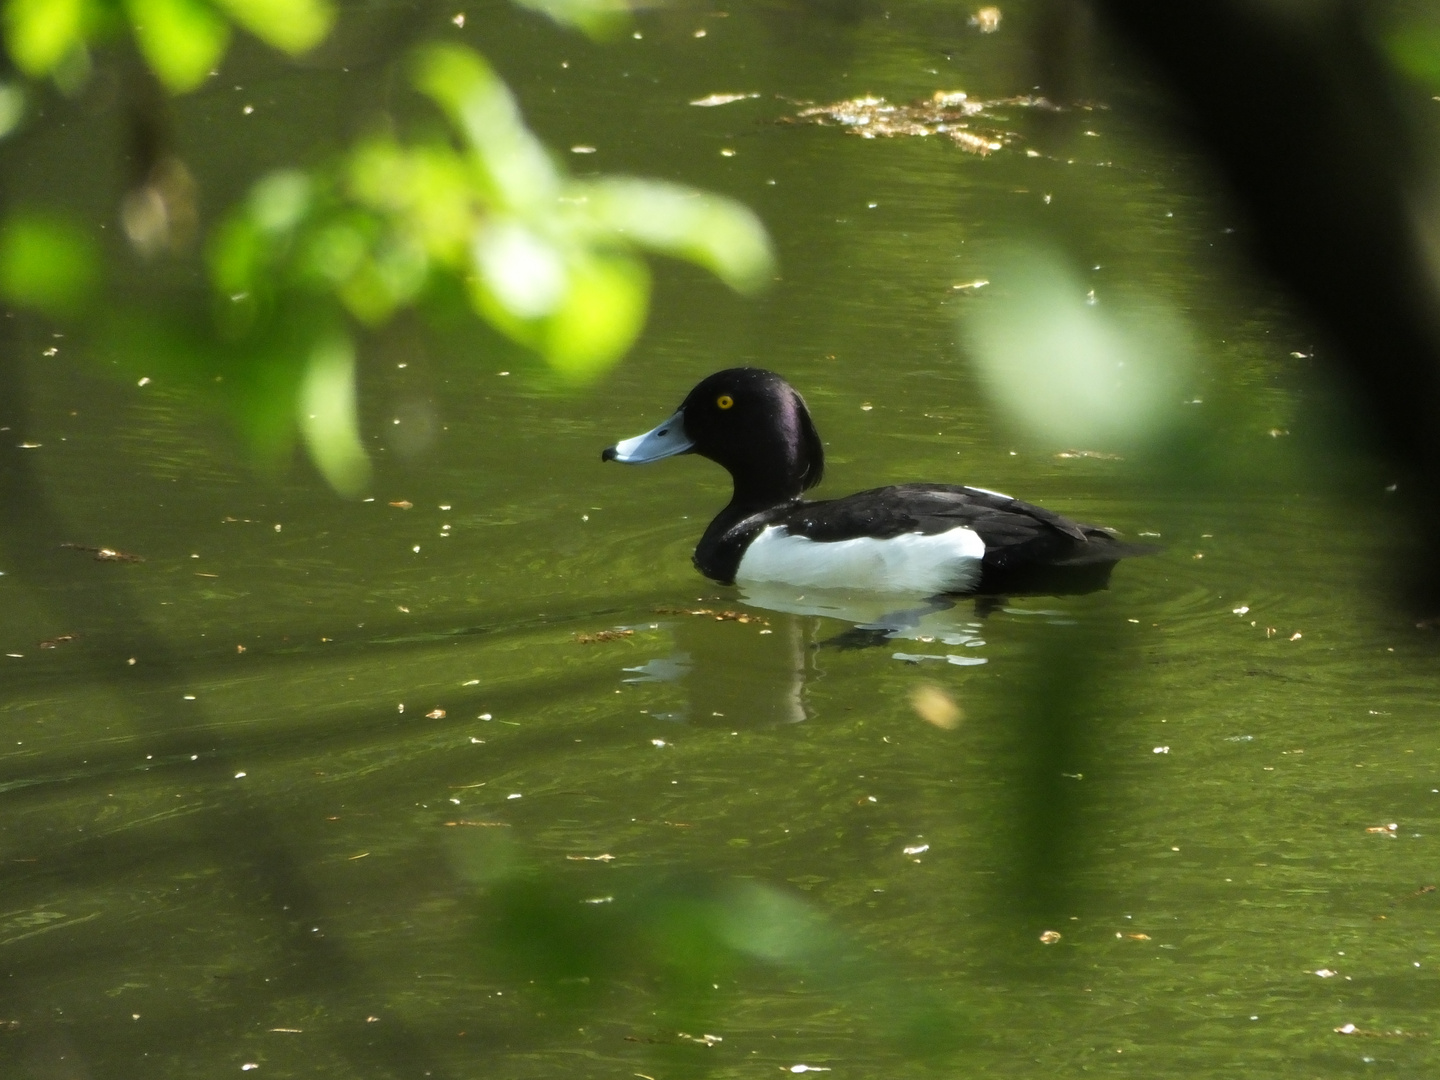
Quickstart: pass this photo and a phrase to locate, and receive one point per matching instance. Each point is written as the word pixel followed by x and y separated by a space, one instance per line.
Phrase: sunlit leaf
pixel 597 18
pixel 430 188
pixel 717 233
pixel 39 34
pixel 46 263
pixel 602 314
pixel 281 200
pixel 1071 367
pixel 293 26
pixel 524 271
pixel 526 332
pixel 467 88
pixel 555 269
pixel 181 40
pixel 328 418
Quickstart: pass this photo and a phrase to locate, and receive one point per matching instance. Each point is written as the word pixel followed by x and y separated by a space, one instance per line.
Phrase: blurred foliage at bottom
pixel 693 941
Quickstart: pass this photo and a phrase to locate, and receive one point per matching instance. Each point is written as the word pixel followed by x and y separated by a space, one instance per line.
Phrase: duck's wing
pixel 1014 532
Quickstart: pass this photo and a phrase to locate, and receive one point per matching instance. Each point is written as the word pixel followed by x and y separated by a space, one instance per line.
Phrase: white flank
pixel 910 563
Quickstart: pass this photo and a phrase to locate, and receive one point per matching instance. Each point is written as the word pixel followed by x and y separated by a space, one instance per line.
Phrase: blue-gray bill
pixel 666 440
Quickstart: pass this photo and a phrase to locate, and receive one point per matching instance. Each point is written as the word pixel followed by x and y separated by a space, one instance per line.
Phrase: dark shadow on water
pixel 1057 699
pixel 696 941
pixel 240 835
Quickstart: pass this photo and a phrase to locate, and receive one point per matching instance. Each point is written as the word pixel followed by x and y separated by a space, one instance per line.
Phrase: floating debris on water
pixel 479 824
pixel 945 112
pixel 603 635
pixel 1098 455
pixel 705 1040
pixel 711 100
pixel 105 554
pixel 718 616
pixel 1351 1029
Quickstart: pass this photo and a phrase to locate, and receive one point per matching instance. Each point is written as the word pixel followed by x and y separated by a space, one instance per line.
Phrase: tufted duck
pixel 928 539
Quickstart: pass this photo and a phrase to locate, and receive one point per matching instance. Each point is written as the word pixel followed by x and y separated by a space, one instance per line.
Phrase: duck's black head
pixel 748 420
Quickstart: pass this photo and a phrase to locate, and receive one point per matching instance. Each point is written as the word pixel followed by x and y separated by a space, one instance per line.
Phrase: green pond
pixel 479 778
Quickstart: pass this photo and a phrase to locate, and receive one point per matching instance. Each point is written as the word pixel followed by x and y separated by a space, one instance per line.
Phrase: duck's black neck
pixel 720 550
pixel 752 494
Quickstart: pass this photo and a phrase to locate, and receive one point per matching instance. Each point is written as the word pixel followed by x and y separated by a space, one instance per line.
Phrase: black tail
pixel 1085 568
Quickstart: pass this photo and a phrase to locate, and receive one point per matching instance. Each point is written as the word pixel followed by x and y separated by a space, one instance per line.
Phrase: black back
pixel 1020 538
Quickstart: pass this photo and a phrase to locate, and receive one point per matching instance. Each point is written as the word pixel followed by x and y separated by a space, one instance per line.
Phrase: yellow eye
pixel 724 401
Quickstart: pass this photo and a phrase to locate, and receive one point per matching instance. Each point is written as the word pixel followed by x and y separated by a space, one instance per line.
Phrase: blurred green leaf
pixel 1415 50
pixel 181 40
pixel 46 262
pixel 389 278
pixel 602 314
pixel 292 26
pixel 526 332
pixel 536 930
pixel 598 18
pixel 524 271
pixel 12 107
pixel 552 264
pixel 328 418
pixel 280 201
pixel 256 377
pixel 39 34
pixel 481 106
pixel 235 253
pixel 719 234
pixel 336 252
pixel 768 924
pixel 73 72
pixel 430 189
pixel 1073 368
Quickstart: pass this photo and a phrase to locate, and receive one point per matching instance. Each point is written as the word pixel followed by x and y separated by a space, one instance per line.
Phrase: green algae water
pixel 477 777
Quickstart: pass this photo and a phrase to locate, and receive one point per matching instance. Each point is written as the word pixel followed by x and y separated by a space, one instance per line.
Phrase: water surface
pixel 269 794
